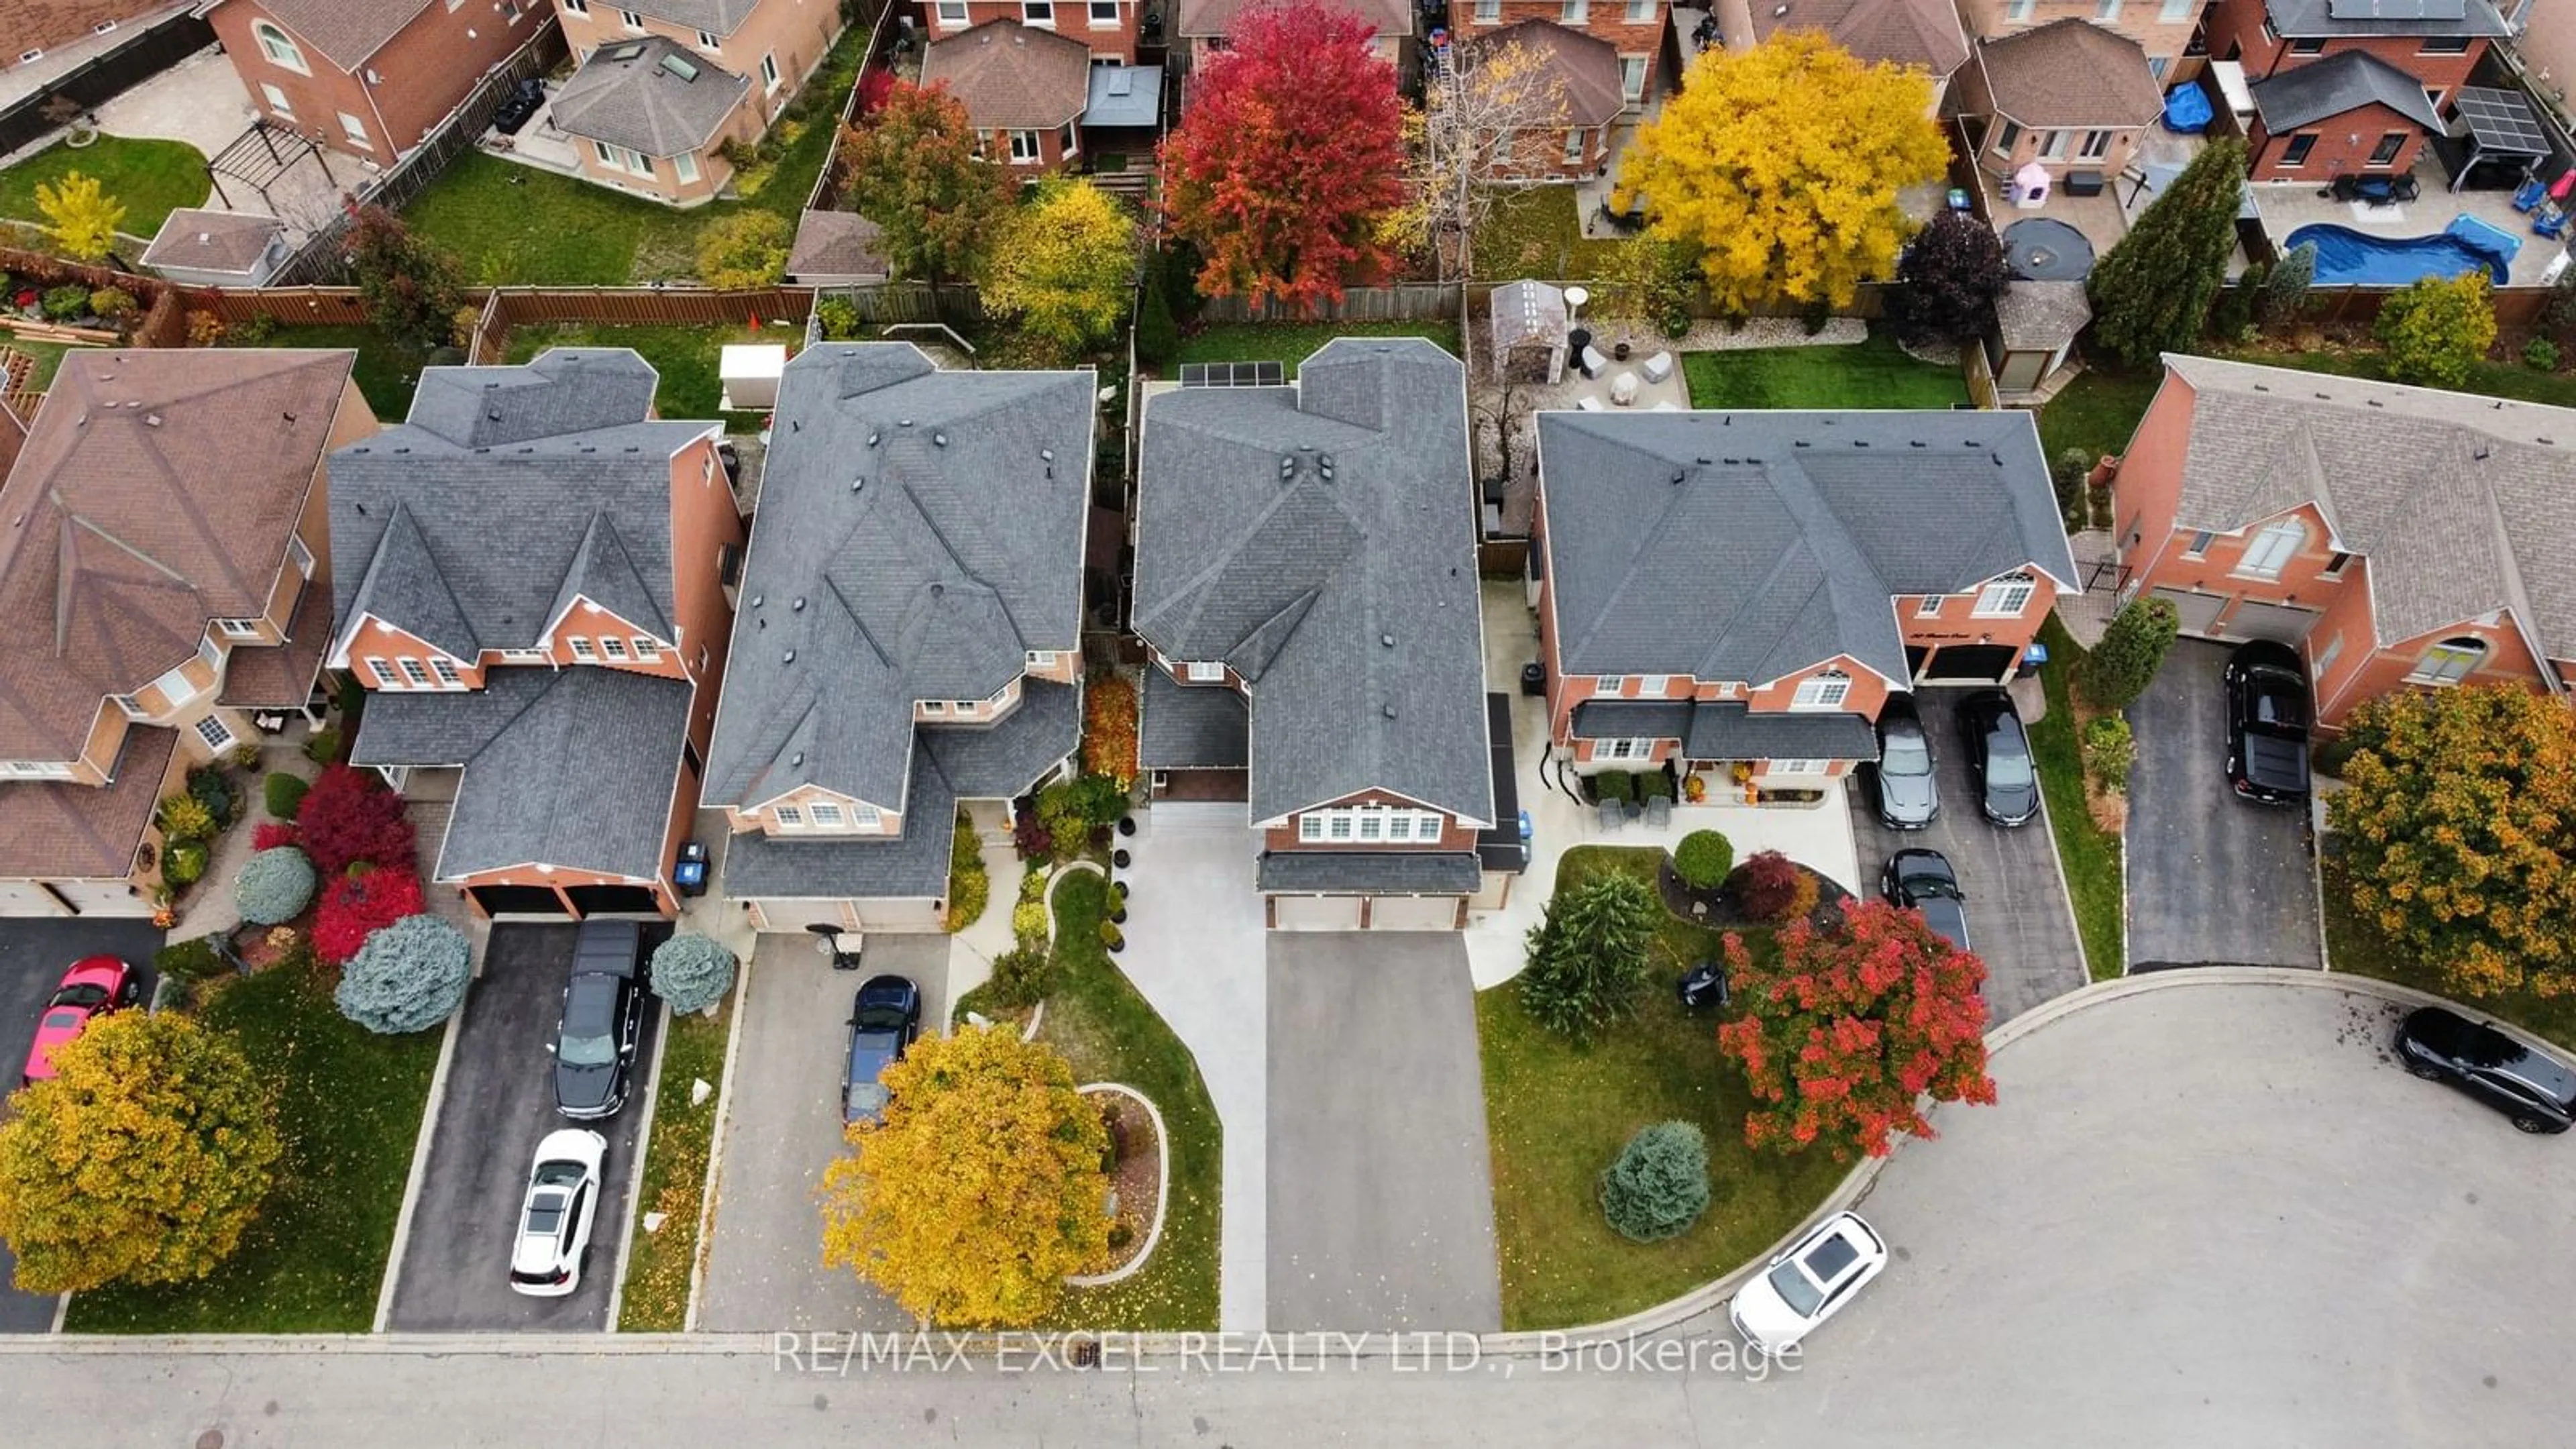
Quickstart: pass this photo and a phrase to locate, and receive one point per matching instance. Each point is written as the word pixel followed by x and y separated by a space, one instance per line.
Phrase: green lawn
pixel 2090 854
pixel 1536 233
pixel 1872 374
pixel 514 225
pixel 2098 411
pixel 349 1106
pixel 1558 1115
pixel 2354 944
pixel 2486 379
pixel 48 355
pixel 1293 342
pixel 656 1298
pixel 1109 1033
pixel 149 177
pixel 688 358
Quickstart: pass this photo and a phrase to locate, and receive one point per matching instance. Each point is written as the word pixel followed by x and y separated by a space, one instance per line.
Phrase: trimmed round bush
pixel 692 972
pixel 1659 1185
pixel 284 793
pixel 1023 976
pixel 184 863
pixel 274 886
pixel 1703 859
pixel 410 976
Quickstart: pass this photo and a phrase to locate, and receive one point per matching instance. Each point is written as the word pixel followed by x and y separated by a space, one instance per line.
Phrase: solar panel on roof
pixel 1233 374
pixel 2397 9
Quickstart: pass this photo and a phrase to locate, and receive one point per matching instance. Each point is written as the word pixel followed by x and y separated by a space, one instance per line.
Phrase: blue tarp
pixel 2187 110
pixel 2485 237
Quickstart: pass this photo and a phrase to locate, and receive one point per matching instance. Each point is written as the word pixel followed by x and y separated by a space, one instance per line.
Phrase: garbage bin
pixel 2031 658
pixel 1534 678
pixel 689 873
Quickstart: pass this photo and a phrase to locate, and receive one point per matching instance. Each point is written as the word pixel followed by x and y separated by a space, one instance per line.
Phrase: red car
pixel 91 989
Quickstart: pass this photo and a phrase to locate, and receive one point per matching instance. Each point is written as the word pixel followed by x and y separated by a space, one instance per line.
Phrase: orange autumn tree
pixel 1289 158
pixel 2457 826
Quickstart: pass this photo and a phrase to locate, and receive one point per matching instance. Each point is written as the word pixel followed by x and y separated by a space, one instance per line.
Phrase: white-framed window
pixel 1041 659
pixel 2097 144
pixel 2018 11
pixel 2450 661
pixel 952 13
pixel 934 706
pixel 2174 12
pixel 37 769
pixel 1024 147
pixel 647 650
pixel 1610 684
pixel 864 817
pixel 1489 12
pixel 279 47
pixel 582 649
pixel 827 816
pixel 633 20
pixel 1202 672
pixel 789 817
pixel 1653 686
pixel 1632 79
pixel 238 628
pixel 1573 12
pixel 685 166
pixel 2052 145
pixel 1104 14
pixel 445 669
pixel 133 709
pixel 415 673
pixel 209 653
pixel 2327 656
pixel 523 656
pixel 217 735
pixel 2156 65
pixel 2007 136
pixel 769 81
pixel 2005 598
pixel 2272 549
pixel 612 646
pixel 2106 11
pixel 302 555
pixel 1369 824
pixel 2199 545
pixel 1800 767
pixel 2335 565
pixel 277 101
pixel 1623 749
pixel 1039 13
pixel 576 7
pixel 383 670
pixel 1578 144
pixel 1929 606
pixel 710 44
pixel 1822 691
pixel 1641 12
pixel 620 159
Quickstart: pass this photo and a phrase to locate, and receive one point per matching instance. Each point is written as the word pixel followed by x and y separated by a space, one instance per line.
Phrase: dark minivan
pixel 2534 1089
pixel 2267 723
pixel 1999 762
pixel 603 1013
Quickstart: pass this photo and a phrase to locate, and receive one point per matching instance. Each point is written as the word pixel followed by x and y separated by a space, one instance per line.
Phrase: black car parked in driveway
pixel 2536 1090
pixel 603 1013
pixel 1999 762
pixel 2267 723
pixel 1902 779
pixel 885 1017
pixel 1922 880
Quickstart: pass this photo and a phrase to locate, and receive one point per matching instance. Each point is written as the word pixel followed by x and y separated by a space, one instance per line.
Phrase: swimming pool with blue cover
pixel 2347 256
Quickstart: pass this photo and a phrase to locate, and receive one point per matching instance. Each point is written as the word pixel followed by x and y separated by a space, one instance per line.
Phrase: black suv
pixel 2267 723
pixel 2537 1091
pixel 603 1012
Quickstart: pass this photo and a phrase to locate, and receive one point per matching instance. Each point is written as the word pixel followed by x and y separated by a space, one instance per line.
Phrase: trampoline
pixel 2042 249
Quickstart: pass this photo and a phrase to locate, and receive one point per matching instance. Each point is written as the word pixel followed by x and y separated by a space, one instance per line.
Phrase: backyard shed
pixel 750 371
pixel 1529 332
pixel 2035 325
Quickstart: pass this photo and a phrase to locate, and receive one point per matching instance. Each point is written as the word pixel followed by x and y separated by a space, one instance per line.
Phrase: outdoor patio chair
pixel 1657 367
pixel 1659 813
pixel 1593 360
pixel 1613 814
pixel 1589 403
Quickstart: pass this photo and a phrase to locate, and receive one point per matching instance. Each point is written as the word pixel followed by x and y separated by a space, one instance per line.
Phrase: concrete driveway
pixel 783 1126
pixel 34 952
pixel 497 1104
pixel 2213 880
pixel 2018 917
pixel 1381 1179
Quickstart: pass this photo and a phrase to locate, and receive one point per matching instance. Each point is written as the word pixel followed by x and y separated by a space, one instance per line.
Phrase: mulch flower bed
pixel 1139 1178
pixel 1717 910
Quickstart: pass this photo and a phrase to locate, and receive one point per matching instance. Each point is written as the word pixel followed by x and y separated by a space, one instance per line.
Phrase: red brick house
pixel 70 31
pixel 2437 42
pixel 1107 28
pixel 1748 588
pixel 531 589
pixel 1023 87
pixel 1585 71
pixel 2069 95
pixel 1203 25
pixel 1637 30
pixel 1923 34
pixel 368 77
pixel 2400 537
pixel 2347 112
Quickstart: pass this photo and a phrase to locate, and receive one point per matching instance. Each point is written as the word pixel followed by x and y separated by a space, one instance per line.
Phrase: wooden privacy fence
pixel 879 303
pixel 289 306
pixel 1403 302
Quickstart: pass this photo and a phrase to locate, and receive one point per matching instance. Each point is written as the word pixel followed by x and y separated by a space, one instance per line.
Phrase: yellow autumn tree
pixel 981 1188
pixel 1065 266
pixel 140 1161
pixel 81 218
pixel 1781 164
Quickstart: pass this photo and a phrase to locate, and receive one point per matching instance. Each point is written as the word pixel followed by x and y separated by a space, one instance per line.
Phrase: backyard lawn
pixel 656 1296
pixel 2354 944
pixel 387 370
pixel 1536 233
pixel 1294 342
pixel 1872 374
pixel 349 1107
pixel 1557 1115
pixel 2098 411
pixel 1110 1034
pixel 48 356
pixel 2090 854
pixel 2486 379
pixel 688 358
pixel 149 177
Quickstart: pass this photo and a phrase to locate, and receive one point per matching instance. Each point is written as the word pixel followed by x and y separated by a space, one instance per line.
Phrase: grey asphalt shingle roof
pixel 1375 872
pixel 2041 316
pixel 2302 19
pixel 572 768
pixel 1752 545
pixel 1012 77
pixel 649 94
pixel 1184 727
pixel 2342 82
pixel 1321 540
pixel 2462 505
pixel 507 493
pixel 919 533
pixel 1001 760
pixel 715 17
pixel 910 866
pixel 1729 730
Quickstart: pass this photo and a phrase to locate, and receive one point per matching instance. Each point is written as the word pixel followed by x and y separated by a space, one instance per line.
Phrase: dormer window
pixel 1822 691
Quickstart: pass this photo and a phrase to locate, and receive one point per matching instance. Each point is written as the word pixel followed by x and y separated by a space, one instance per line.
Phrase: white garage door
pixel 1413 913
pixel 1315 913
pixel 2198 611
pixel 26 898
pixel 2254 620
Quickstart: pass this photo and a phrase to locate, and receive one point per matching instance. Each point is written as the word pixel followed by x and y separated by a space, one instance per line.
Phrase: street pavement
pixel 2208 1213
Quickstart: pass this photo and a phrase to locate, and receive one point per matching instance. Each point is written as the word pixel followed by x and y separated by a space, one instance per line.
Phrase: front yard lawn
pixel 1106 1028
pixel 690 359
pixel 150 177
pixel 2097 411
pixel 656 1297
pixel 1872 374
pixel 349 1106
pixel 1557 1115
pixel 2090 854
pixel 1293 342
pixel 1536 232
pixel 2354 944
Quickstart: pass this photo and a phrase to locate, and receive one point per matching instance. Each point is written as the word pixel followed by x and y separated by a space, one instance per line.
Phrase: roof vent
pixel 1046 455
pixel 1860 442
pixel 2262 387
pixel 1918 443
pixel 2373 403
pixel 494 415
pixel 903 422
pixel 1388 710
pixel 2325 397
pixel 151 420
pixel 1678 476
pixel 755 600
pixel 798 606
pixel 1386 640
pixel 787 658
pixel 937 589
pixel 2481 454
pixel 797 758
pixel 1801 443
pixel 858 483
pixel 872 437
pixel 2548 442
pixel 939 440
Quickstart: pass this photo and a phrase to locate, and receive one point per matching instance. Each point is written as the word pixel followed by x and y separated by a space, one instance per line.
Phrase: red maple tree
pixel 357 906
pixel 350 816
pixel 1848 1029
pixel 1289 154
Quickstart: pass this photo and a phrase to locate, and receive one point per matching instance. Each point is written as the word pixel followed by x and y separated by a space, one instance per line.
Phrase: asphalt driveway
pixel 497 1103
pixel 2213 880
pixel 33 955
pixel 783 1126
pixel 1381 1196
pixel 2018 917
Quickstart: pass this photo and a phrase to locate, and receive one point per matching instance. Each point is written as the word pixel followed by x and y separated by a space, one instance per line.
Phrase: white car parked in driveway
pixel 1807 1284
pixel 554 1220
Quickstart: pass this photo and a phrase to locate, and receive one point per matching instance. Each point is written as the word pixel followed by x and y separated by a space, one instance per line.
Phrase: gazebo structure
pixel 2503 133
pixel 259 157
pixel 1529 332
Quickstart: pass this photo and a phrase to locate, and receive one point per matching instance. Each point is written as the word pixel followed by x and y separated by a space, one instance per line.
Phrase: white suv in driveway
pixel 1807 1284
pixel 554 1220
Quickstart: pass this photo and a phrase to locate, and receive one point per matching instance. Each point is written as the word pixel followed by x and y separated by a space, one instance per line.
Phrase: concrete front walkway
pixel 1196 948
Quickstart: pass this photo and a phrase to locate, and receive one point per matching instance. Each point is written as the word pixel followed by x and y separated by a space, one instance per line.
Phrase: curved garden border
pixel 1162 1188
